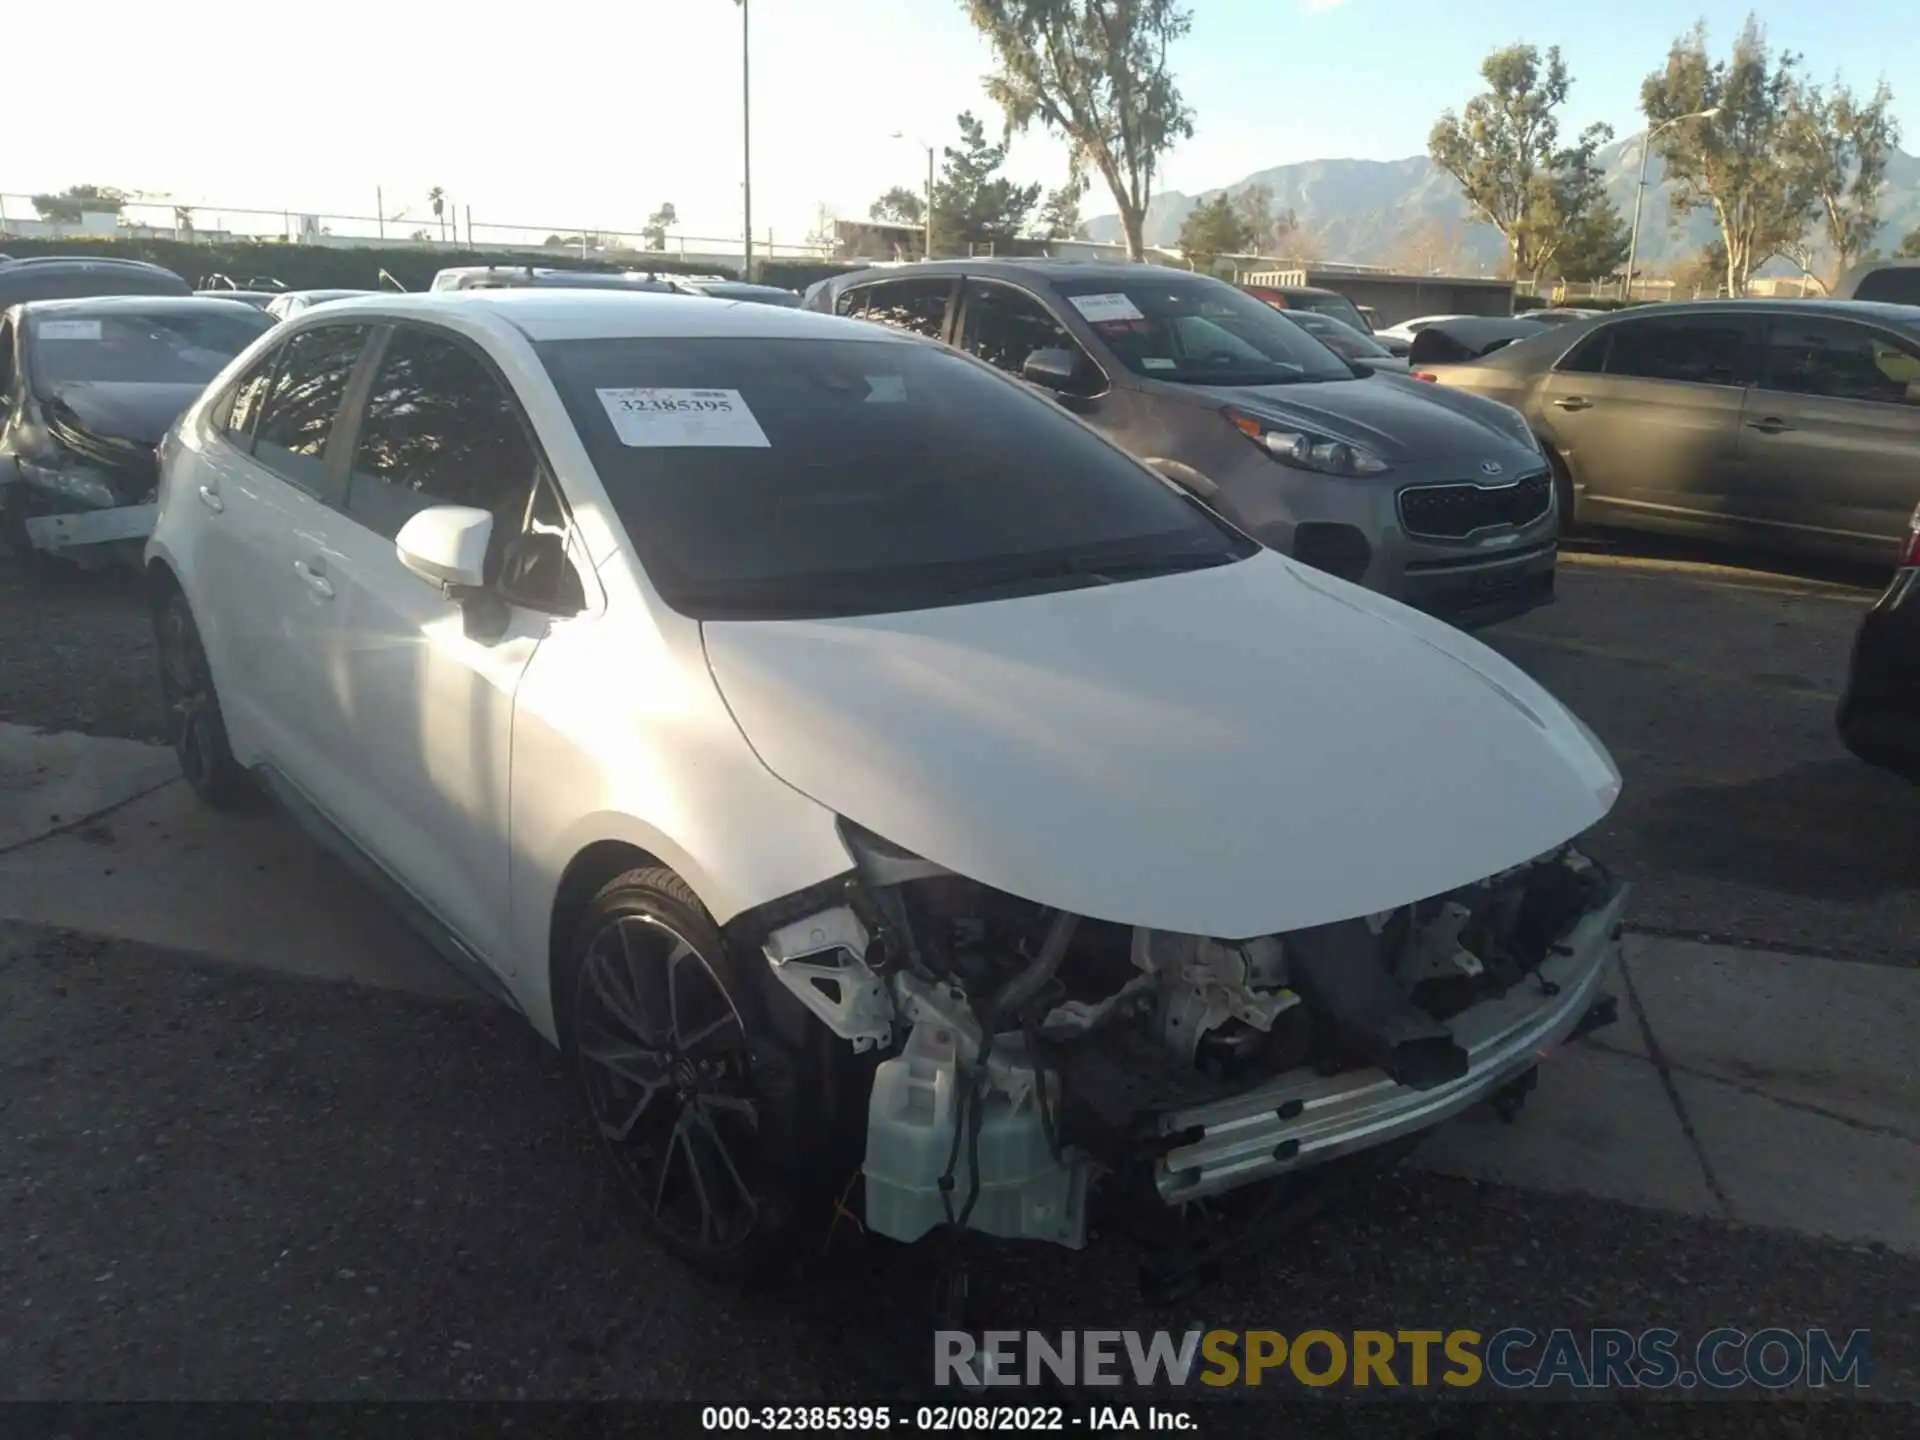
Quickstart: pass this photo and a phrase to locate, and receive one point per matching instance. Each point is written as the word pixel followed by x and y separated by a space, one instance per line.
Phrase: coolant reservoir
pixel 1025 1194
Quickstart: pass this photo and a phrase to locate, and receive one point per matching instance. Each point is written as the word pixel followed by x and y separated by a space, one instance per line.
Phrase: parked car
pixel 1403 333
pixel 259 291
pixel 292 302
pixel 1313 299
pixel 1373 478
pixel 58 277
pixel 1880 710
pixel 1557 315
pixel 838 750
pixel 87 388
pixel 1465 337
pixel 1894 282
pixel 1792 423
pixel 534 277
pixel 1346 342
pixel 740 290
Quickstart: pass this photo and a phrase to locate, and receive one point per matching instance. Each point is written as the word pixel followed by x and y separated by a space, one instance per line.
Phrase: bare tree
pixel 1095 73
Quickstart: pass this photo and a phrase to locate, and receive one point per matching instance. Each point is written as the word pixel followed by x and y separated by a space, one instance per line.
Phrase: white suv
pixel 841 752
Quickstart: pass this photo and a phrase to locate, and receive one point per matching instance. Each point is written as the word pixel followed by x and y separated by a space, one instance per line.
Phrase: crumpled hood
pixel 1231 752
pixel 1395 416
pixel 125 411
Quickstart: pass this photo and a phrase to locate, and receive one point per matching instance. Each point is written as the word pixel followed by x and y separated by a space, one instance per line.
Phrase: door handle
pixel 1772 425
pixel 210 498
pixel 315 581
pixel 1574 402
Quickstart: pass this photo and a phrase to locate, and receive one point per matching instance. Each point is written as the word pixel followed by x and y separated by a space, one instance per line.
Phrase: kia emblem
pixel 1489 467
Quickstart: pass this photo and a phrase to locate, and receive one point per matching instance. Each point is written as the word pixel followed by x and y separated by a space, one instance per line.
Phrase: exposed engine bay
pixel 1031 1052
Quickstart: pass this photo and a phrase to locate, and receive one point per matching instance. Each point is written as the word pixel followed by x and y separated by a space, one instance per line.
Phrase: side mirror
pixel 1053 368
pixel 446 545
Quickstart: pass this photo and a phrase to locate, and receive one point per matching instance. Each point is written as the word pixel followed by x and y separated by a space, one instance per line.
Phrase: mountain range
pixel 1410 213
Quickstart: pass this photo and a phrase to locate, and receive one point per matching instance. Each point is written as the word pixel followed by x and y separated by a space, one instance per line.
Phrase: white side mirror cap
pixel 446 545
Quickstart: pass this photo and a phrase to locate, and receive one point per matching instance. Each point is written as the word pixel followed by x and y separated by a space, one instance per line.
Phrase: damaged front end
pixel 70 489
pixel 1031 1054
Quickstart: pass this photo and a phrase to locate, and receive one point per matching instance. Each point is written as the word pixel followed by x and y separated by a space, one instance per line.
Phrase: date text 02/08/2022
pixel 943 1419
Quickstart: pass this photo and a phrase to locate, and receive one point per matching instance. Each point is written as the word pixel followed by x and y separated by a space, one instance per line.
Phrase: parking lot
pixel 229 1170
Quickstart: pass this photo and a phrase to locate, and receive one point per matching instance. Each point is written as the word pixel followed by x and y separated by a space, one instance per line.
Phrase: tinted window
pixel 1702 349
pixel 1337 306
pixel 438 429
pixel 1190 329
pixel 850 302
pixel 1004 326
pixel 809 477
pixel 1898 284
pixel 1817 356
pixel 297 416
pixel 241 408
pixel 1589 357
pixel 1338 336
pixel 916 305
pixel 129 348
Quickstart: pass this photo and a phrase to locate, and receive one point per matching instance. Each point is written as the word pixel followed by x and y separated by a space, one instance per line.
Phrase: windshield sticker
pixel 655 418
pixel 1099 308
pixel 68 330
pixel 1156 362
pixel 886 389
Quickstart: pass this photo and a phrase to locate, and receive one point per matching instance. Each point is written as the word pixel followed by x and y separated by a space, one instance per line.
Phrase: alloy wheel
pixel 662 1055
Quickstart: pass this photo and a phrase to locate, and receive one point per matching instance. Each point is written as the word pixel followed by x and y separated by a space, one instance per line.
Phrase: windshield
pixel 1196 331
pixel 132 348
pixel 777 478
pixel 1337 306
pixel 1343 340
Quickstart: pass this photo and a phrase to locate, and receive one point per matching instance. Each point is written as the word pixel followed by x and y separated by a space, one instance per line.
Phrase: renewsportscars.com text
pixel 1513 1358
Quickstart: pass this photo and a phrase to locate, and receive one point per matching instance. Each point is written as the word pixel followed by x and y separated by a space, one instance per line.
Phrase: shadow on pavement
pixel 1827 830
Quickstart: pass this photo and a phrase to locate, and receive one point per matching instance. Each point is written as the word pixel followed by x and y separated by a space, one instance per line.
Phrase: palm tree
pixel 437 198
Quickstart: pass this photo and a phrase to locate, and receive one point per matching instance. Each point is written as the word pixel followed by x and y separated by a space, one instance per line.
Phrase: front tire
pixel 195 728
pixel 690 1094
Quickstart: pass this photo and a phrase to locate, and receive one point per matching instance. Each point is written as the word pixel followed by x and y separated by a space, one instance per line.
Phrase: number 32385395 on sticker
pixel 653 417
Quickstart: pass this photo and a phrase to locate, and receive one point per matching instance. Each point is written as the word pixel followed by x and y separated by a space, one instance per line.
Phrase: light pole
pixel 1640 190
pixel 746 150
pixel 901 135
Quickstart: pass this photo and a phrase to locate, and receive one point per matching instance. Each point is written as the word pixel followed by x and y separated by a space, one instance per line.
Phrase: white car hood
pixel 1231 752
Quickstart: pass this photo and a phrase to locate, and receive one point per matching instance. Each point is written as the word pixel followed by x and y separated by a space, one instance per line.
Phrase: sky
pixel 593 120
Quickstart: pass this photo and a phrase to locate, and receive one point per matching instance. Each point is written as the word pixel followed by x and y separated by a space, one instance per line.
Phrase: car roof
pixel 100 262
pixel 1906 317
pixel 130 304
pixel 597 314
pixel 1037 267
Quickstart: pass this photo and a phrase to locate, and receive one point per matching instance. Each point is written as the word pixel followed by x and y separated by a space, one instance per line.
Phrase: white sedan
pixel 842 753
pixel 1404 332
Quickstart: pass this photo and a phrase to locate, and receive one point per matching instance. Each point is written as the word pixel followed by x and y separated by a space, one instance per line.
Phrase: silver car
pixel 1436 498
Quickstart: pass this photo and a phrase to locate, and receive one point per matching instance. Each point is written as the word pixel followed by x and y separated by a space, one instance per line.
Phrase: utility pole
pixel 380 210
pixel 929 244
pixel 746 149
pixel 1640 190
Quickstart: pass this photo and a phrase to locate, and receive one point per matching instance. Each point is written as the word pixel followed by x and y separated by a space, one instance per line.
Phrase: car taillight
pixel 1426 375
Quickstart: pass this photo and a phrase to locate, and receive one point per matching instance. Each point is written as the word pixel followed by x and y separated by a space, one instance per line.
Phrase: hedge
pixel 327 267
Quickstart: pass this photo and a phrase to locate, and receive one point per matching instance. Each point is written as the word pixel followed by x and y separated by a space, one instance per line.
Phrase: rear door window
pixel 1837 360
pixel 1694 349
pixel 916 305
pixel 297 418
